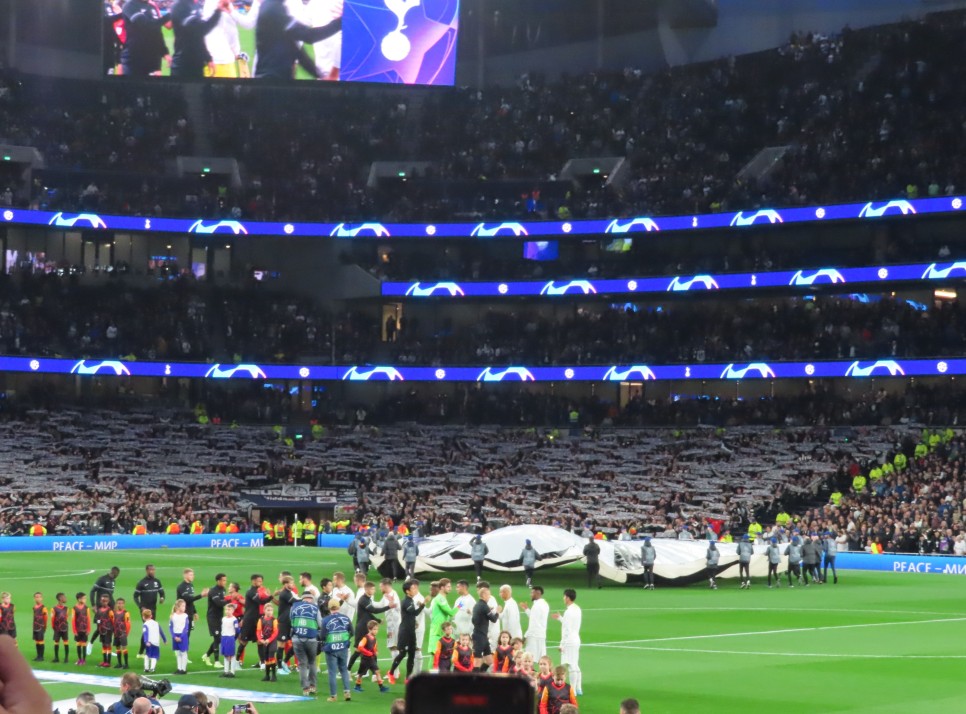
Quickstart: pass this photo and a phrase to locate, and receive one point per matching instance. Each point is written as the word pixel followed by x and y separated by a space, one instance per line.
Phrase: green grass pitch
pixel 876 642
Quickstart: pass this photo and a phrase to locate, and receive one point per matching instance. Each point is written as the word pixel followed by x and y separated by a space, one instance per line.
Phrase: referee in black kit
pixel 277 38
pixel 190 28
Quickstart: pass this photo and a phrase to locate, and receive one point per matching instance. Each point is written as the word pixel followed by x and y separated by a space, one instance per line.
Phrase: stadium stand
pixel 880 100
pixel 655 480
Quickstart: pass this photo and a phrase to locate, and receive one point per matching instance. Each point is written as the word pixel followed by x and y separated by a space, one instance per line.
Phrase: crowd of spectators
pixel 648 255
pixel 691 332
pixel 52 315
pixel 882 101
pixel 106 471
pixel 103 144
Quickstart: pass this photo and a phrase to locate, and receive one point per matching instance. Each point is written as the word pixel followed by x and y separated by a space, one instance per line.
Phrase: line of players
pixel 207 43
pixel 812 556
pixel 488 637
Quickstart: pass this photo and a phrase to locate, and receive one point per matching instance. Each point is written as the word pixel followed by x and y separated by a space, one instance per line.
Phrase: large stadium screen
pixel 387 41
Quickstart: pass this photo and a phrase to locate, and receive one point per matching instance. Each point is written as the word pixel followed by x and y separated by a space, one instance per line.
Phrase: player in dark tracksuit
pixel 406 641
pixel 277 41
pixel 216 611
pixel 144 45
pixel 255 599
pixel 186 592
pixel 190 28
pixel 366 612
pixel 147 594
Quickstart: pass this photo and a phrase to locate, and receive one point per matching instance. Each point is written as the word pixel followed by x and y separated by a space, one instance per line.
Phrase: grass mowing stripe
pixel 774 632
pixel 682 650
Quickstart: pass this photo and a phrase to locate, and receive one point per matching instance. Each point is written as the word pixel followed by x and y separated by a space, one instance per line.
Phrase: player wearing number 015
pixel 570 637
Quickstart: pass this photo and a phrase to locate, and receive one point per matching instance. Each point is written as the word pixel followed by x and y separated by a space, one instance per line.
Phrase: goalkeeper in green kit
pixel 439 612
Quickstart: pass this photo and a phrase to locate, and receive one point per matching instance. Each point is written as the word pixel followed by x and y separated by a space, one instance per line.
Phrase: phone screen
pixel 469 694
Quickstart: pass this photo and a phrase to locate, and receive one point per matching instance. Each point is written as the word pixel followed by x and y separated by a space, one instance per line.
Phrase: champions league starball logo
pixel 233 227
pixel 451 289
pixel 825 275
pixel 584 287
pixel 767 215
pixel 935 272
pixel 698 282
pixel 521 374
pixel 755 369
pixel 892 208
pixel 638 371
pixel 373 374
pixel 238 371
pixel 400 41
pixel 113 366
pixel 90 220
pixel 882 367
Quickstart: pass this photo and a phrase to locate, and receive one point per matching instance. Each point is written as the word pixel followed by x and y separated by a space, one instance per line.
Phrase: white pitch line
pixel 785 654
pixel 774 632
pixel 770 609
pixel 49 576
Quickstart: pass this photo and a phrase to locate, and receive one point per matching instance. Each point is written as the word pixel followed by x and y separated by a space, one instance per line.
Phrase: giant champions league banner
pixel 677 562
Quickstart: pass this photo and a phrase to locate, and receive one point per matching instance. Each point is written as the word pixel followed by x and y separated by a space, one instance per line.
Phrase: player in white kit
pixel 223 42
pixel 328 52
pixel 570 638
pixel 393 615
pixel 463 620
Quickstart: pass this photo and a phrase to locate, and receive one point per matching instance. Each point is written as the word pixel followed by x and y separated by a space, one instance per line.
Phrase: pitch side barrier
pixel 897 563
pixel 335 540
pixel 72 544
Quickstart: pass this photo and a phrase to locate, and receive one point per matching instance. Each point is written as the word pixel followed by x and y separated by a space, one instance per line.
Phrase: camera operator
pixel 131 690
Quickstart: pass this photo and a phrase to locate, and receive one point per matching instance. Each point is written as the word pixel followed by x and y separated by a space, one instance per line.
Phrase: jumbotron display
pixel 806 279
pixel 562 373
pixel 627 227
pixel 391 41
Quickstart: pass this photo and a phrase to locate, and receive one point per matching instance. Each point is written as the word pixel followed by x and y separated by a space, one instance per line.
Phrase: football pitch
pixel 876 642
